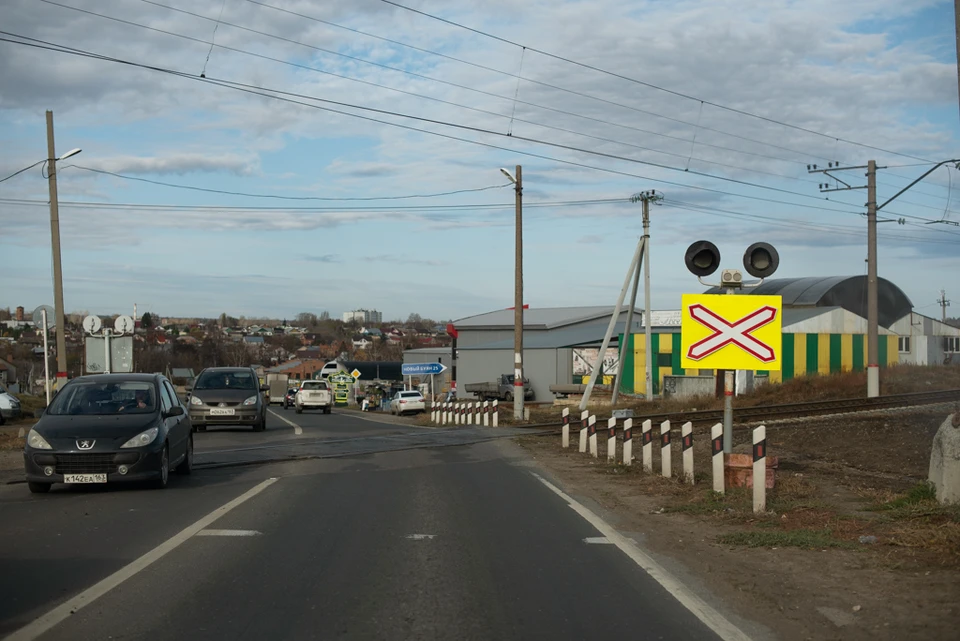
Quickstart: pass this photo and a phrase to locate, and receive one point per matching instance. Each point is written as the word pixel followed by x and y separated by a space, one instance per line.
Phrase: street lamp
pixel 55 237
pixel 518 389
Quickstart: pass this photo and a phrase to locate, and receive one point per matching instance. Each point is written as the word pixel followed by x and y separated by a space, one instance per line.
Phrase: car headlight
pixel 194 400
pixel 37 442
pixel 143 438
pixel 251 401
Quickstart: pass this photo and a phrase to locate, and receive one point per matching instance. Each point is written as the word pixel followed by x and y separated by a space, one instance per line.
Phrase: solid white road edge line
pixel 63 611
pixel 212 532
pixel 296 428
pixel 700 609
pixel 598 540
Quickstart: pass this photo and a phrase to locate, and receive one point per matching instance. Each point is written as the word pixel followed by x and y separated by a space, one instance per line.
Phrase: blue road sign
pixel 422 369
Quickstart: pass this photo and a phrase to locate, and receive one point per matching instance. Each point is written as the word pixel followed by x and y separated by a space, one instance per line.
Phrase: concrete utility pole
pixel 517 180
pixel 873 332
pixel 873 337
pixel 942 301
pixel 646 198
pixel 55 238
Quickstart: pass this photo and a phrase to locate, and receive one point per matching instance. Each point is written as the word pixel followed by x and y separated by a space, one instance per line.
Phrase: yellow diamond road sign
pixel 731 332
pixel 355 373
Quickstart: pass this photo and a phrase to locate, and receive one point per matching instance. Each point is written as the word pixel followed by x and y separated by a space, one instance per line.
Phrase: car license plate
pixel 221 411
pixel 84 478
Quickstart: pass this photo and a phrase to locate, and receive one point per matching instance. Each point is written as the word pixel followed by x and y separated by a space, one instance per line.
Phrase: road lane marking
pixel 420 537
pixel 228 533
pixel 700 609
pixel 598 540
pixel 65 610
pixel 296 428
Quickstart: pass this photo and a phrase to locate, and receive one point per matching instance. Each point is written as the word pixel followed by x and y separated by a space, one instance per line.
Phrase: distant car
pixel 110 427
pixel 291 398
pixel 314 394
pixel 9 405
pixel 405 402
pixel 228 396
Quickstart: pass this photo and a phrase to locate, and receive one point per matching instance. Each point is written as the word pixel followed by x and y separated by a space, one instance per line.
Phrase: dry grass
pixel 9 440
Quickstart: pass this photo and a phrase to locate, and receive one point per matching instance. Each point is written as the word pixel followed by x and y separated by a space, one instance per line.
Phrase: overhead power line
pixel 260 91
pixel 514 100
pixel 650 85
pixel 280 197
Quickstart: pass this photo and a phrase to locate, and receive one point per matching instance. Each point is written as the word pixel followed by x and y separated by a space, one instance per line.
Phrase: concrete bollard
pixel 459 413
pixel 686 434
pixel 760 469
pixel 628 442
pixel 944 471
pixel 592 430
pixel 612 440
pixel 646 432
pixel 584 420
pixel 565 417
pixel 476 412
pixel 486 413
pixel 496 413
pixel 666 468
pixel 716 450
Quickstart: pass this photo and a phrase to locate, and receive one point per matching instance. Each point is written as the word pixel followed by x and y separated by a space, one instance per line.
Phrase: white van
pixel 9 405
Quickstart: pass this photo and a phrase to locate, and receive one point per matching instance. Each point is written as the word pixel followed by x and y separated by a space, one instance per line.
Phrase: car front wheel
pixel 164 478
pixel 186 466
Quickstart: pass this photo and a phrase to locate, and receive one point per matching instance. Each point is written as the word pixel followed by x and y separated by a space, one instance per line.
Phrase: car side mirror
pixel 176 410
pixel 188 387
pixel 264 388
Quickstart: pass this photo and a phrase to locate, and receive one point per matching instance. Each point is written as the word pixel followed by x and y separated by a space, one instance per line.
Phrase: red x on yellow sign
pixel 731 332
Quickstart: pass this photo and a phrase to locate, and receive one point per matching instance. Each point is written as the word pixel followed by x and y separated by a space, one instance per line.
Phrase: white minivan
pixel 9 405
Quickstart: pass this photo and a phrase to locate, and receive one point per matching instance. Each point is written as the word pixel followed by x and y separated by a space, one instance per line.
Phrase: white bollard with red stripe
pixel 584 421
pixel 486 413
pixel 716 451
pixel 476 413
pixel 470 414
pixel 565 417
pixel 646 431
pixel 458 412
pixel 666 469
pixel 628 442
pixel 496 413
pixel 592 429
pixel 760 469
pixel 686 435
pixel 612 440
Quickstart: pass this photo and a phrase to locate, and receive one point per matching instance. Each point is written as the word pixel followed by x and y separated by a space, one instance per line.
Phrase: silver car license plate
pixel 221 411
pixel 84 478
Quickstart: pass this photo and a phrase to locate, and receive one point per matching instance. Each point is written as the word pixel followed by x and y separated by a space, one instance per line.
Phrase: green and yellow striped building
pixel 802 354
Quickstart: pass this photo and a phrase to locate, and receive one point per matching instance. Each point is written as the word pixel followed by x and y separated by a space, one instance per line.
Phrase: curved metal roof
pixel 848 292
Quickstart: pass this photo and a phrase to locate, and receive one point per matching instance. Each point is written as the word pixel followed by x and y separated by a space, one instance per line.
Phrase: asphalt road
pixel 461 542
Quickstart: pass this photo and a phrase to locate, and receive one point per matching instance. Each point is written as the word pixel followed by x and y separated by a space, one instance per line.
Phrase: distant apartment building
pixel 364 316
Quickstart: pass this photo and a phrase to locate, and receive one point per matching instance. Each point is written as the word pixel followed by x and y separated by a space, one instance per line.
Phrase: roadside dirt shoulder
pixel 801 569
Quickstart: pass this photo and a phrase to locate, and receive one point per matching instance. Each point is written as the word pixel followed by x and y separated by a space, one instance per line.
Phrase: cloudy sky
pixel 310 156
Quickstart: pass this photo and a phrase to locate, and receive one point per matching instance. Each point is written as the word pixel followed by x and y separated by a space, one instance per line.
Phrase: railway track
pixel 802 410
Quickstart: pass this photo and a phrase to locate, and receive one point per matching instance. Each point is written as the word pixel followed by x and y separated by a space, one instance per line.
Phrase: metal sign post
pixel 46 356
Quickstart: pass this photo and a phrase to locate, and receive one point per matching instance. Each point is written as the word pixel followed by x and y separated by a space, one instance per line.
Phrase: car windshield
pixel 114 397
pixel 314 385
pixel 226 380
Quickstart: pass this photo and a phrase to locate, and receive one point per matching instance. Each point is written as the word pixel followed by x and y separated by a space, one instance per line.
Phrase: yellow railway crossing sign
pixel 731 332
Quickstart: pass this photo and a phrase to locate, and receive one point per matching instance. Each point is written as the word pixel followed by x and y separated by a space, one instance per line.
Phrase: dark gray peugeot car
pixel 110 427
pixel 227 396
